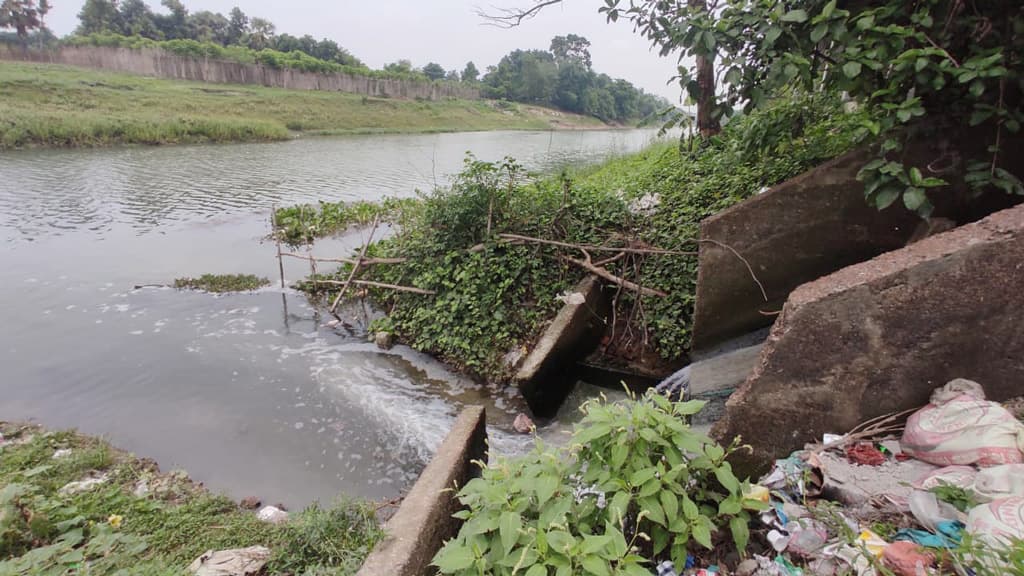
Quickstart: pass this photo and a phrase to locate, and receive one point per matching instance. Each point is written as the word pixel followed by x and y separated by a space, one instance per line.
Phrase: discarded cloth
pixel 865 454
pixel 907 559
pixel 960 427
pixel 948 536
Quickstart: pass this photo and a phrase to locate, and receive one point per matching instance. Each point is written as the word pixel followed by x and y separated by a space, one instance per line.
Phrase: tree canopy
pixel 562 77
pixel 136 18
pixel 955 63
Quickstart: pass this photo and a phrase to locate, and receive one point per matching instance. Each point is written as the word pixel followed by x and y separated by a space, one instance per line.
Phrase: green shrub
pixel 635 486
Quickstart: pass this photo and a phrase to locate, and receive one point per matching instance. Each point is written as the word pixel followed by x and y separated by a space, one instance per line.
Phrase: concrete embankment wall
pixel 162 64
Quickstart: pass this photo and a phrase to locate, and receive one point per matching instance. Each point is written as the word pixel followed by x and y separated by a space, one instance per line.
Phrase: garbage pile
pixel 876 502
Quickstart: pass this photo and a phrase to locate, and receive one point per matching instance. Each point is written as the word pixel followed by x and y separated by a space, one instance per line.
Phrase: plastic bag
pixel 960 427
pixel 999 482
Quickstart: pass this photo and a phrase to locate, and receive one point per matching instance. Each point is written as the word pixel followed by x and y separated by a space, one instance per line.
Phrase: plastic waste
pixel 930 512
pixel 231 562
pixel 789 477
pixel 871 542
pixel 999 521
pixel 999 482
pixel 666 568
pixel 907 559
pixel 960 427
pixel 961 476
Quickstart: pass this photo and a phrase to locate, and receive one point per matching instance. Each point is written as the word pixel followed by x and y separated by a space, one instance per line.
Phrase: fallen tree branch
pixel 603 273
pixel 584 247
pixel 356 267
pixel 363 262
pixel 371 283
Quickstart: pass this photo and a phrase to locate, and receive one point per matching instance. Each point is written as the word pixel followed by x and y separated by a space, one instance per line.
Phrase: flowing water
pixel 253 394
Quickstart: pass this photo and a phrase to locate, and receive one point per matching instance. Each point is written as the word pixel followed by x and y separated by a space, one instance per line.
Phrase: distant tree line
pixel 562 77
pixel 136 18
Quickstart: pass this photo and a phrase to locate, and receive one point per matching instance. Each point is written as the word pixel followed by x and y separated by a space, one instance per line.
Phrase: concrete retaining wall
pixel 161 64
pixel 878 337
pixel 424 521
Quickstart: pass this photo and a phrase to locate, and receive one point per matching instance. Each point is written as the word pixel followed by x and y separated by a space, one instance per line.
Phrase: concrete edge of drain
pixel 424 520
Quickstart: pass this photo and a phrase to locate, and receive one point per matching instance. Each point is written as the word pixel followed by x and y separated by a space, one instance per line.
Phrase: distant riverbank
pixel 55 106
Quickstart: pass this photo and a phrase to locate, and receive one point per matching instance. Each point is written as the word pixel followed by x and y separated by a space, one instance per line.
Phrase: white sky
pixel 444 31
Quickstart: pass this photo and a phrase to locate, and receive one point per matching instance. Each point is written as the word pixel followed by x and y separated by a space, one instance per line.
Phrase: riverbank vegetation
pixel 560 77
pixel 126 517
pixel 499 246
pixel 219 283
pixel 60 106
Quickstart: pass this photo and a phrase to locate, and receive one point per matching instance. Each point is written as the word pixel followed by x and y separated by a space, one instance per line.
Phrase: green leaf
pixel 915 176
pixel 819 32
pixel 670 504
pixel 594 544
pixel 596 566
pixel 914 198
pixel 508 529
pixel 977 88
pixel 640 477
pixel 701 534
pixel 619 505
pixel 797 16
pixel 729 507
pixel 453 557
pixel 740 532
pixel 921 64
pixel 852 69
pixel 537 570
pixel 829 9
pixel 561 541
pixel 653 509
pixel 546 487
pixel 726 478
pixel 886 197
pixel 690 510
pixel 772 35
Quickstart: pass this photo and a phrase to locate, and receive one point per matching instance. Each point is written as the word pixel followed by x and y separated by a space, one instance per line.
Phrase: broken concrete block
pixel 880 336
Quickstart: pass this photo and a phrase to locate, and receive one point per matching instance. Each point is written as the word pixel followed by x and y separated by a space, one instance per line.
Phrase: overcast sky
pixel 444 31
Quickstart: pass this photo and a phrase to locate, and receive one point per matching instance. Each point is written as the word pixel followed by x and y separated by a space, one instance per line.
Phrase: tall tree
pixel 434 71
pixel 209 27
pixel 470 72
pixel 174 25
pixel 238 26
pixel 99 16
pixel 22 15
pixel 571 49
pixel 261 33
pixel 138 20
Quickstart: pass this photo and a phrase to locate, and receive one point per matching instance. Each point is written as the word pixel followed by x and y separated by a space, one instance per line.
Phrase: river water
pixel 252 394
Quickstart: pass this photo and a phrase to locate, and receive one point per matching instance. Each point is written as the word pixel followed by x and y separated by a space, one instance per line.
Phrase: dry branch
pixel 363 262
pixel 603 273
pixel 512 17
pixel 396 287
pixel 585 247
pixel 357 266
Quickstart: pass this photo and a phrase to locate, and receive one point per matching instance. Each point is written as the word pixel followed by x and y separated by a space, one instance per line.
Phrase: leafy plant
pixel 957 496
pixel 635 485
pixel 932 65
pixel 222 283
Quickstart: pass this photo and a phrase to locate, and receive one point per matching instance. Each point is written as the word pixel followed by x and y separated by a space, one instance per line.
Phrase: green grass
pixel 44 105
pixel 222 283
pixel 108 530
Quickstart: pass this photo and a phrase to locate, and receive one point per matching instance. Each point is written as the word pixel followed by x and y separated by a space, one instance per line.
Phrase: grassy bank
pixel 494 294
pixel 141 522
pixel 59 106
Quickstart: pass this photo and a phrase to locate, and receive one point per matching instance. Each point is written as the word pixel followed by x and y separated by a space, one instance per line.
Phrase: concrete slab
pixel 878 337
pixel 424 520
pixel 574 332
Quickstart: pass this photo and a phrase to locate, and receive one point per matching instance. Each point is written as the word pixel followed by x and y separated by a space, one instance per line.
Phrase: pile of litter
pixel 909 499
pixel 957 472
